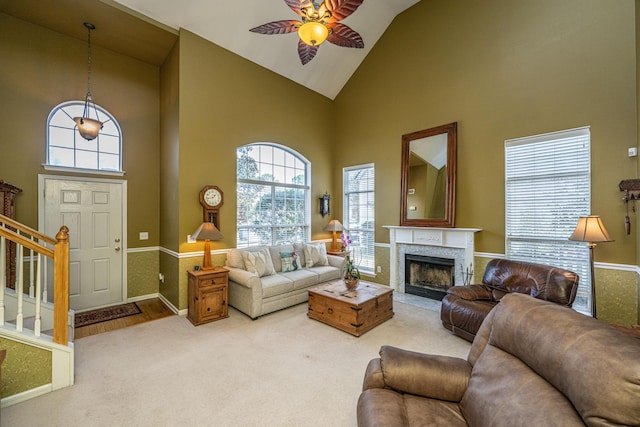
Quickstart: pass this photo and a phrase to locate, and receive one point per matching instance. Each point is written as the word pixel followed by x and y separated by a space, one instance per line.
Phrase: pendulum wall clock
pixel 211 199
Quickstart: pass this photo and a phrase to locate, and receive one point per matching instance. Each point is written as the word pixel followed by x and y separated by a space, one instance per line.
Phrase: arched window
pixel 273 195
pixel 67 149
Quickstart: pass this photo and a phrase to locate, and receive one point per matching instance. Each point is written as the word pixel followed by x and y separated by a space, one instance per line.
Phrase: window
pixel 548 186
pixel 359 213
pixel 67 149
pixel 273 196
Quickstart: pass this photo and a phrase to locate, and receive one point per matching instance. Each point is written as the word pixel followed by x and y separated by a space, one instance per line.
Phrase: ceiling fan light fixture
pixel 313 33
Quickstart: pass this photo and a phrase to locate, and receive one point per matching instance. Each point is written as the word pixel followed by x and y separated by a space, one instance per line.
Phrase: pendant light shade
pixel 313 33
pixel 88 127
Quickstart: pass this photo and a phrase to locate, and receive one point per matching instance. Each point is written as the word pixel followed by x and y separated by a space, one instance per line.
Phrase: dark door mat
pixel 87 318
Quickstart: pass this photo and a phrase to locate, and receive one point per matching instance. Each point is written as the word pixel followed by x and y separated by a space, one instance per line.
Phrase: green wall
pixel 502 69
pixel 40 69
pixel 25 367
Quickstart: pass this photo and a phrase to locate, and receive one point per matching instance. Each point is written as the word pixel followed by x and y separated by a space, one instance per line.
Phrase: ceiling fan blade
pixel 298 6
pixel 277 27
pixel 339 9
pixel 342 35
pixel 306 52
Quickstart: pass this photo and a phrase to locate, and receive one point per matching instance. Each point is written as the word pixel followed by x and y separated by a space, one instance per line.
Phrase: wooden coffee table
pixel 354 311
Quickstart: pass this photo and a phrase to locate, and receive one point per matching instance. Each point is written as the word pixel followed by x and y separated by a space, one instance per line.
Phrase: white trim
pixel 81 170
pixel 173 307
pixel 382 245
pixel 488 255
pixel 569 133
pixel 143 297
pixel 26 395
pixel 142 250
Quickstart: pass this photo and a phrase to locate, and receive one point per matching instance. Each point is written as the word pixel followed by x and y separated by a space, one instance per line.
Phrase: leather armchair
pixel 532 363
pixel 465 307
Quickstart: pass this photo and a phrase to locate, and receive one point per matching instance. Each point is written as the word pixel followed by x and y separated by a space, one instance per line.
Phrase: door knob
pixel 117 248
pixel 117 240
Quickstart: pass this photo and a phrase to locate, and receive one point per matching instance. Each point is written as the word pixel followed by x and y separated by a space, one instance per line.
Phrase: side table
pixel 337 253
pixel 208 295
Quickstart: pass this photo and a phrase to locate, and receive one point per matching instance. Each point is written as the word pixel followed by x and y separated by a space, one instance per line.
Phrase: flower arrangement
pixel 350 271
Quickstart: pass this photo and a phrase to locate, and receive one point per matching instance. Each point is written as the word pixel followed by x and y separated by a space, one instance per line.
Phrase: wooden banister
pixel 61 287
pixel 26 229
pixel 28 243
pixel 60 256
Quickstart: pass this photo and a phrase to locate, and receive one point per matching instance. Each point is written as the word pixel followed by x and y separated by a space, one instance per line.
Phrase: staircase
pixel 28 313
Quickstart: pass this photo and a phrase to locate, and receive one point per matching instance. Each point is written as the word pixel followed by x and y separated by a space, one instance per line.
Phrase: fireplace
pixel 428 276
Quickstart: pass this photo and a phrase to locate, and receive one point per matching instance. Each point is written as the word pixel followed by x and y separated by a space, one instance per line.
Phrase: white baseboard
pixel 26 395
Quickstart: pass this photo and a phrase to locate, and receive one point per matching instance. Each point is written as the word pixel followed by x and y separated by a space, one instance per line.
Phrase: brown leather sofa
pixel 465 307
pixel 532 363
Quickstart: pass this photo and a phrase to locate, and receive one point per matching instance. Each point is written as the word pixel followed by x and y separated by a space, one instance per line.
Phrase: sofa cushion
pixel 290 261
pixel 315 254
pixel 258 262
pixel 504 391
pixel 303 278
pixel 299 248
pixel 274 251
pixel 276 284
pixel 235 259
pixel 326 273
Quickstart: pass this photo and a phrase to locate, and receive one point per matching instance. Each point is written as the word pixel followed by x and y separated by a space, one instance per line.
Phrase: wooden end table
pixel 353 311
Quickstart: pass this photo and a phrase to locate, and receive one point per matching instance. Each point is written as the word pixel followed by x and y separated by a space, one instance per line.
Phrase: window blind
pixel 273 196
pixel 548 186
pixel 359 213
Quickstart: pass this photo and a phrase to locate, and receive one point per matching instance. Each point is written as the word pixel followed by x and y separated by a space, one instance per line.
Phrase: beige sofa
pixel 263 279
pixel 532 363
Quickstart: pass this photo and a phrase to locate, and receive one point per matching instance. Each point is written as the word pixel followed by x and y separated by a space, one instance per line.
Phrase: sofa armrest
pixel 373 375
pixel 470 292
pixel 243 277
pixel 336 261
pixel 436 377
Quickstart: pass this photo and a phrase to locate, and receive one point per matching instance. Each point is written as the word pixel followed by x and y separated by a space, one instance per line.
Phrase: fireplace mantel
pixel 460 240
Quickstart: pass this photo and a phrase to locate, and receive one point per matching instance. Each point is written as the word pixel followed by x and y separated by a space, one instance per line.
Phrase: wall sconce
pixel 88 127
pixel 207 232
pixel 324 205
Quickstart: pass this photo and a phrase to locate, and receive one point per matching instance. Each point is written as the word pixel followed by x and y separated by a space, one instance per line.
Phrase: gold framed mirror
pixel 428 177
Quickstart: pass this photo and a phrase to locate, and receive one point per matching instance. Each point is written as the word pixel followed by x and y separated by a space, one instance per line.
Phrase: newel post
pixel 61 287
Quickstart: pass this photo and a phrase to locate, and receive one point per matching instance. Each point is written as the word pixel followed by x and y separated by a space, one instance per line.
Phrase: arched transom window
pixel 273 195
pixel 67 149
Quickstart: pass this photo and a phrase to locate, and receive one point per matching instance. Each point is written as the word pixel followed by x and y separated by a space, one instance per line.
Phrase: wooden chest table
pixel 354 311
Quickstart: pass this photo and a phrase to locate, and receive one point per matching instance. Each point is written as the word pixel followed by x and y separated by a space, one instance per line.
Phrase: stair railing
pixel 57 250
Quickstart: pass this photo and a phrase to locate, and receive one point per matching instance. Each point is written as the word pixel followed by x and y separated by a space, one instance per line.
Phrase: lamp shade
pixel 590 229
pixel 313 33
pixel 334 225
pixel 207 231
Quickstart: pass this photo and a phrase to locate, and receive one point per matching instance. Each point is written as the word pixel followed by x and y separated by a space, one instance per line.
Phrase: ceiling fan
pixel 320 22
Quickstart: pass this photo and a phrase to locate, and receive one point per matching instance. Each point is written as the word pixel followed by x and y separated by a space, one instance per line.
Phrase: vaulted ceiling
pixel 146 29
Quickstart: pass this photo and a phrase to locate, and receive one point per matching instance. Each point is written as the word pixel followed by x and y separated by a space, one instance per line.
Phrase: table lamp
pixel 590 229
pixel 207 232
pixel 334 225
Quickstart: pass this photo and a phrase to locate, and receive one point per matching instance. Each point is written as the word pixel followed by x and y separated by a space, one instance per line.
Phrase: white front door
pixel 93 212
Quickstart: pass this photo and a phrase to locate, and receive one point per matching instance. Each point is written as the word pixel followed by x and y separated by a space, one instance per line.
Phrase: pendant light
pixel 88 127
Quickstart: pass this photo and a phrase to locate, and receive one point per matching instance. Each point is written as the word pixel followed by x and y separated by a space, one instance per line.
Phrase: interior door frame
pixel 123 183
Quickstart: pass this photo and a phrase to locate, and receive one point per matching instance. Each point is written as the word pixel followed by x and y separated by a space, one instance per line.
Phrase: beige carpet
pixel 280 370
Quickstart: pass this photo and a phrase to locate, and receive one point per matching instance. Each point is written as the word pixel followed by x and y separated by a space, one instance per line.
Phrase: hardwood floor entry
pixel 151 309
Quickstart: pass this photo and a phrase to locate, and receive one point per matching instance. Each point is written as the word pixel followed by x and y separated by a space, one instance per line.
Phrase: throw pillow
pixel 258 262
pixel 315 255
pixel 289 261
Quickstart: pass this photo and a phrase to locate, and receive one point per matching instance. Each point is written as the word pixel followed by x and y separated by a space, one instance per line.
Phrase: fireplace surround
pixel 456 244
